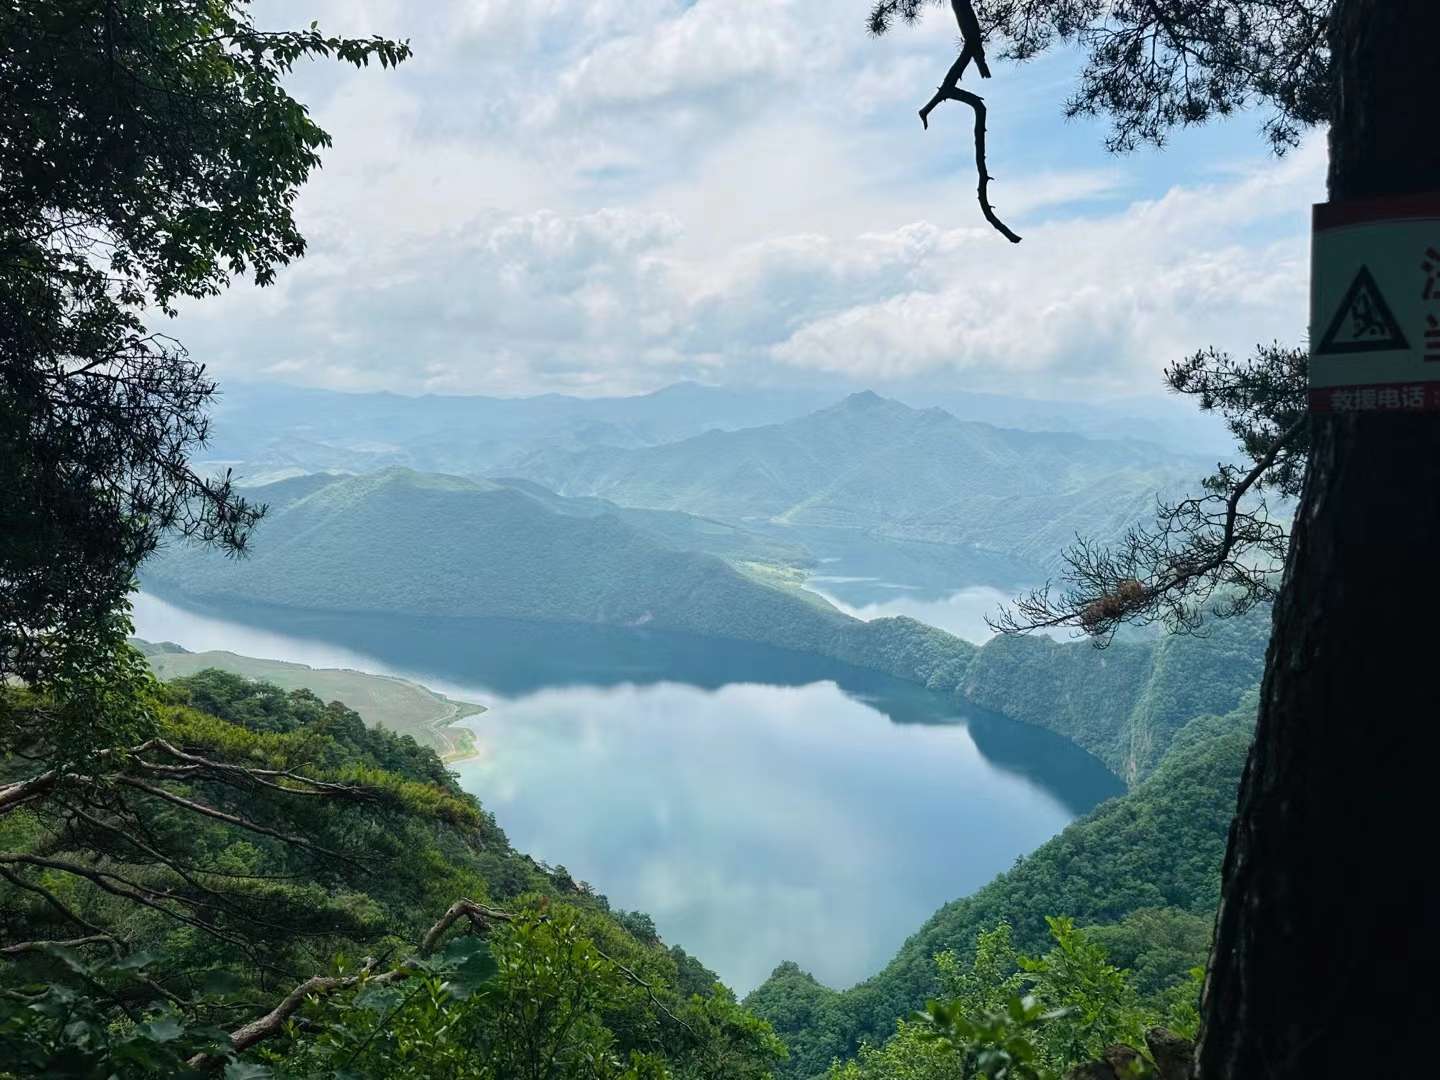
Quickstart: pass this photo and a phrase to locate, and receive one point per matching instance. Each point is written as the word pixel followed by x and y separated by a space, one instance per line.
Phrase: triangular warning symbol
pixel 1364 322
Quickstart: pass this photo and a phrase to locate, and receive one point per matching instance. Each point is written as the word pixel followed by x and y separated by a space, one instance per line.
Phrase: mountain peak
pixel 871 406
pixel 865 399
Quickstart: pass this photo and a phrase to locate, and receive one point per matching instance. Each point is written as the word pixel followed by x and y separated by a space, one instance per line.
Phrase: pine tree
pixel 1324 942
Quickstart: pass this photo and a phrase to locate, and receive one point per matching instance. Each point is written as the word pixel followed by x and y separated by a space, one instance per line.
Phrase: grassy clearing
pixel 404 707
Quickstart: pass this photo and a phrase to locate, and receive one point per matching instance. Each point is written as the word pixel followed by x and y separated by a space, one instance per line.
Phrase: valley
pixel 689 777
pixel 579 542
pixel 696 656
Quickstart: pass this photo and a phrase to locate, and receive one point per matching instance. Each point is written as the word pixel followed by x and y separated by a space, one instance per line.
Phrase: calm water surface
pixel 762 805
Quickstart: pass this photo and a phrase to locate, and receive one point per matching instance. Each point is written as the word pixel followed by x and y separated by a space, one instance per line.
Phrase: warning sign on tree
pixel 1375 306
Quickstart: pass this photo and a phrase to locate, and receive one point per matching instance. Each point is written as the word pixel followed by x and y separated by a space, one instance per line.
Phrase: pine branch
pixel 1151 577
pixel 236 820
pixel 73 943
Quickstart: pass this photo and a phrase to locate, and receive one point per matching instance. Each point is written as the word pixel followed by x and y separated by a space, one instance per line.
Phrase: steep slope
pixel 876 465
pixel 422 544
pixel 1125 703
pixel 234 906
pixel 1158 847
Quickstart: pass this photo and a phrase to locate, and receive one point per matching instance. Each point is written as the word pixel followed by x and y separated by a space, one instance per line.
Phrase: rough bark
pixel 1324 962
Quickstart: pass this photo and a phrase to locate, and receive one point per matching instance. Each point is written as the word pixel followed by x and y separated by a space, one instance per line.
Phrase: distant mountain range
pixel 267 430
pixel 270 430
pixel 880 467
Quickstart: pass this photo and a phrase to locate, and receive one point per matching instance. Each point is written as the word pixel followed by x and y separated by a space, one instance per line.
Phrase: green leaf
pixel 164 1029
pixel 220 982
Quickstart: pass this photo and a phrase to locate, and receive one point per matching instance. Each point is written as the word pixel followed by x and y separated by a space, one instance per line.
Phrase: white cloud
pixel 713 47
pixel 607 195
pixel 1103 300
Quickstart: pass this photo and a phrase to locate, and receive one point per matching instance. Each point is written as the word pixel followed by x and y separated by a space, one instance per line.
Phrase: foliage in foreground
pixel 258 892
pixel 1024 1018
pixel 149 153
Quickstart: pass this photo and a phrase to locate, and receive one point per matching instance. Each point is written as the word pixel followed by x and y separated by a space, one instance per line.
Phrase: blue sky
pixel 609 196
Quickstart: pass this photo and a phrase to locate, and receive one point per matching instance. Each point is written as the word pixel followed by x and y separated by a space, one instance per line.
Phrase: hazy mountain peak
pixel 867 399
pixel 397 482
pixel 866 405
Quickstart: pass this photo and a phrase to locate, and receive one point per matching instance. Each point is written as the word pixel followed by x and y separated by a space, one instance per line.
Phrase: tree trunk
pixel 1324 959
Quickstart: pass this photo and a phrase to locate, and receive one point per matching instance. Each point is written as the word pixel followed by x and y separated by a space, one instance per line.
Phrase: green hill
pixel 1125 703
pixel 881 467
pixel 1158 848
pixel 421 544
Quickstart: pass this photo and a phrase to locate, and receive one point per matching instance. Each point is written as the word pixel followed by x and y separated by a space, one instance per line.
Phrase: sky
pixel 609 196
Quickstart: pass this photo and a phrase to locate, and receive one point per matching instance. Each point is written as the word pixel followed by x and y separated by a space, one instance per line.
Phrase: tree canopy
pixel 148 153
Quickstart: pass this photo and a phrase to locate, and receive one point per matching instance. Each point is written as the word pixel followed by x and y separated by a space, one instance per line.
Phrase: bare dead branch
pixel 269 1025
pixel 982 171
pixel 482 917
pixel 649 990
pixel 266 777
pixel 73 943
pixel 126 889
pixel 974 49
pixel 970 31
pixel 15 795
pixel 184 872
pixel 22 792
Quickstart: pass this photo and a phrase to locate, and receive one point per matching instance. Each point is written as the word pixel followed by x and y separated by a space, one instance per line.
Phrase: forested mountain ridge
pixel 424 544
pixel 1124 703
pixel 1153 854
pixel 272 429
pixel 872 464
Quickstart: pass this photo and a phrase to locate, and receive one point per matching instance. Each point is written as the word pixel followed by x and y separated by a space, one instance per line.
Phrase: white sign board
pixel 1375 306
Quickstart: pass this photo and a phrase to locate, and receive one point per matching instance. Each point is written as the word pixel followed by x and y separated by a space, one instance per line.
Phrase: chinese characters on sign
pixel 1410 397
pixel 1375 306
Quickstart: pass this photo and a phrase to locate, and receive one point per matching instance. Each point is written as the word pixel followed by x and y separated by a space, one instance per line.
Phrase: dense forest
pixel 206 896
pixel 1126 703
